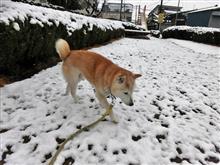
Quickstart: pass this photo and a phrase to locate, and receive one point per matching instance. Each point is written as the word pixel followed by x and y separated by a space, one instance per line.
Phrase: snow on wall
pixel 41 15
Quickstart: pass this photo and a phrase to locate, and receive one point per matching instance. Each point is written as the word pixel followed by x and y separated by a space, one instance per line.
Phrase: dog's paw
pixel 114 118
pixel 115 121
pixel 65 94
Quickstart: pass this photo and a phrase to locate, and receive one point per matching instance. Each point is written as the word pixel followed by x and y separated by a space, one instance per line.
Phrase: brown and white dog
pixel 106 77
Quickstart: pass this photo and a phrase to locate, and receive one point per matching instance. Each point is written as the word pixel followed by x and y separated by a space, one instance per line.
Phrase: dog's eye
pixel 126 93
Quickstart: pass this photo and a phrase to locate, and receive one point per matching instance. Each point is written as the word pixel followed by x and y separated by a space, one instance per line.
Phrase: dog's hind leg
pixel 104 103
pixel 71 76
pixel 67 89
pixel 73 87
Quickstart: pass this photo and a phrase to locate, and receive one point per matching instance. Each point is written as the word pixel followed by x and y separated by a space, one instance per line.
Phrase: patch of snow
pixel 199 30
pixel 16 26
pixel 175 117
pixel 197 47
pixel 35 21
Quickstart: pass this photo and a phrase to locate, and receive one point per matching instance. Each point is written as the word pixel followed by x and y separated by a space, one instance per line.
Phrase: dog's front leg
pixel 67 89
pixel 104 103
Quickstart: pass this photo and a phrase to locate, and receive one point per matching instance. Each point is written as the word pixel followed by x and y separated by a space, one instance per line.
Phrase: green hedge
pixel 198 34
pixel 31 49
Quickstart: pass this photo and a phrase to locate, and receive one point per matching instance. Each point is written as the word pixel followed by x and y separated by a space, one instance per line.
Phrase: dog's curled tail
pixel 62 48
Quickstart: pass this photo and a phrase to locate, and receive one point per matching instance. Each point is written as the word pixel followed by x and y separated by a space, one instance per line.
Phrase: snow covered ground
pixel 175 119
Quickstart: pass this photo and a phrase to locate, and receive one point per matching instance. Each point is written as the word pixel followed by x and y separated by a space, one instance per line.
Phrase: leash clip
pixel 113 98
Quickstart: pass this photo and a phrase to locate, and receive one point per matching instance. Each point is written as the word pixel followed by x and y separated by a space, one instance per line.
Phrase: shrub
pixel 28 34
pixel 198 34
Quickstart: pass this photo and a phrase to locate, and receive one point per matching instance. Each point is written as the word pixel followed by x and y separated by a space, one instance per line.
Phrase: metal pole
pixel 135 19
pixel 161 5
pixel 160 11
pixel 124 11
pixel 121 9
pixel 177 12
pixel 139 10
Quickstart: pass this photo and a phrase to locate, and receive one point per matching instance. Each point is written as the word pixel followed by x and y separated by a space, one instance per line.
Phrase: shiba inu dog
pixel 106 77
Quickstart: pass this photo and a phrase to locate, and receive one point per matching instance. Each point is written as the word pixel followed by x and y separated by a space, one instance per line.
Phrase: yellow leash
pixel 53 159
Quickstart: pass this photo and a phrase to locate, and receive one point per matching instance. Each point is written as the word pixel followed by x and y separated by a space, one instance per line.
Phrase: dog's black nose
pixel 131 104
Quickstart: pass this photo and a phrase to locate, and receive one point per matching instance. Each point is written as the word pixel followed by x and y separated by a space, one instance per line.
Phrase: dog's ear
pixel 120 79
pixel 137 75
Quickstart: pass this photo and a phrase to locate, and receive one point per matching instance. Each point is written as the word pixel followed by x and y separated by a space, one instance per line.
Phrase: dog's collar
pixel 108 92
pixel 113 99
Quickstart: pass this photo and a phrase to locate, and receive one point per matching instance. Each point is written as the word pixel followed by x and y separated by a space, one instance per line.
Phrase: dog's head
pixel 123 85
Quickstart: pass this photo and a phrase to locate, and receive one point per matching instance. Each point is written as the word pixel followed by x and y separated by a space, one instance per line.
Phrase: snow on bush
pixel 199 30
pixel 29 33
pixel 198 34
pixel 131 26
pixel 40 15
pixel 155 33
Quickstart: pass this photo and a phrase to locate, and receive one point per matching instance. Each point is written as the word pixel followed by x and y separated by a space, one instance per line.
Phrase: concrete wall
pixel 215 19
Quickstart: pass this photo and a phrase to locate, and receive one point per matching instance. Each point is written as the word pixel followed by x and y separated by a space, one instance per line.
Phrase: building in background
pixel 112 11
pixel 208 17
pixel 205 17
pixel 169 20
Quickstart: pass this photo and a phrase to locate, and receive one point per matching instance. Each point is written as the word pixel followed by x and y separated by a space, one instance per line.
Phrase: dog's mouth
pixel 130 103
